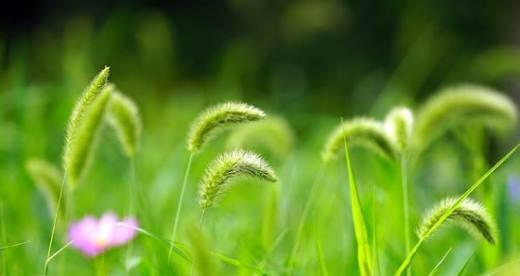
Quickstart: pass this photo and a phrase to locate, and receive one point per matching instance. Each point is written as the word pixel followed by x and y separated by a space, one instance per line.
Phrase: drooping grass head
pixel 123 116
pixel 460 104
pixel 364 132
pixel 218 118
pixel 469 215
pixel 399 126
pixel 229 167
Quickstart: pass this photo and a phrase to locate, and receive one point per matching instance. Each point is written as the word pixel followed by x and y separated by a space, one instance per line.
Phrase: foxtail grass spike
pixel 47 179
pixel 123 116
pixel 227 168
pixel 360 131
pixel 79 150
pixel 216 119
pixel 399 125
pixel 82 105
pixel 470 215
pixel 460 104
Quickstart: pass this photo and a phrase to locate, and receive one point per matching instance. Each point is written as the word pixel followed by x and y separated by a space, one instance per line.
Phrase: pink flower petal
pixel 92 237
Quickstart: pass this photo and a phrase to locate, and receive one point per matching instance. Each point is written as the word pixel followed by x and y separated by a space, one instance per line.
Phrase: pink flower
pixel 92 237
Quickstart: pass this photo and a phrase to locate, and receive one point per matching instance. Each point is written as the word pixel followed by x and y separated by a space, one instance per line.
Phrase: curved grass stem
pixel 179 205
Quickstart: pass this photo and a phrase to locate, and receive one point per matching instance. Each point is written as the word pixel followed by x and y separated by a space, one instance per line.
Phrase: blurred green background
pixel 310 62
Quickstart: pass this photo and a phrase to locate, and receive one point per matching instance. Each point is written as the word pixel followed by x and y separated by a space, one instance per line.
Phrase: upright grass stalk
pixel 411 254
pixel 406 212
pixel 363 248
pixel 179 204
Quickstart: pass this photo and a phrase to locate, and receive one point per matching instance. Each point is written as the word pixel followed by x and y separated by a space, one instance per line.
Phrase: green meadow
pixel 259 157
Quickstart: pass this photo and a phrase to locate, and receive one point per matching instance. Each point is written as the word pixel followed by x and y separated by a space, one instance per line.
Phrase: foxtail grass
pixel 123 116
pixel 218 118
pixel 460 104
pixel 79 146
pixel 365 132
pixel 80 136
pixel 470 215
pixel 205 127
pixel 411 254
pixel 226 169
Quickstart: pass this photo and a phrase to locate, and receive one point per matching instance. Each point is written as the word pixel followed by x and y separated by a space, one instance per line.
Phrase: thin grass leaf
pixel 321 259
pixel 216 119
pixel 123 116
pixel 14 245
pixel 459 104
pixel 229 167
pixel 362 132
pixel 438 265
pixel 465 266
pixel 47 179
pixel 79 148
pixel 406 262
pixel 469 214
pixel 239 264
pixel 363 246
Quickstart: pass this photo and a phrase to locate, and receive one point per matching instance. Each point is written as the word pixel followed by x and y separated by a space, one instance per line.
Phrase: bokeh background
pixel 308 61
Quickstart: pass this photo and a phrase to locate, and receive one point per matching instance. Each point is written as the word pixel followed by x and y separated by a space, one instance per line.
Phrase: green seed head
pixel 229 167
pixel 217 118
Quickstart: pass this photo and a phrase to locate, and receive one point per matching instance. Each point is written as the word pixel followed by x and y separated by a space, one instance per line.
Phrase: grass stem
pixel 51 239
pixel 179 205
pixel 406 213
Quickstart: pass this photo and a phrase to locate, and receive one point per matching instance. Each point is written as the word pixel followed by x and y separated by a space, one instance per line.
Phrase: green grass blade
pixel 438 265
pixel 363 246
pixel 238 263
pixel 321 259
pixel 466 263
pixel 455 205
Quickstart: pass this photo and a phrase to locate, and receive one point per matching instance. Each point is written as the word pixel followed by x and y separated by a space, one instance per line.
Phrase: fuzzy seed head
pixel 399 126
pixel 470 215
pixel 460 104
pixel 82 105
pixel 229 167
pixel 123 116
pixel 216 119
pixel 364 132
pixel 79 151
